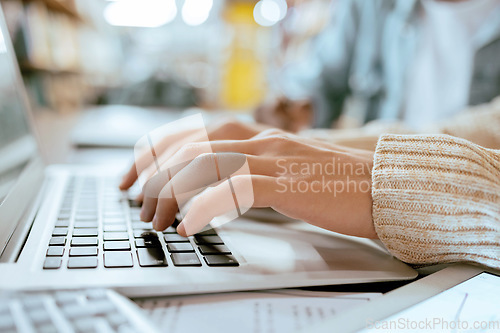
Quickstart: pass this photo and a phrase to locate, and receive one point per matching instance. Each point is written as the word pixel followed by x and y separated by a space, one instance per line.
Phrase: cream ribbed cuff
pixel 436 199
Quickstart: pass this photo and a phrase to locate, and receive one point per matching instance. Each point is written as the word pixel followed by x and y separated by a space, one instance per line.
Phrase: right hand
pixel 227 129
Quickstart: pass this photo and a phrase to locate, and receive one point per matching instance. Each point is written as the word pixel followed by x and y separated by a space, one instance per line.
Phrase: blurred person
pixel 419 62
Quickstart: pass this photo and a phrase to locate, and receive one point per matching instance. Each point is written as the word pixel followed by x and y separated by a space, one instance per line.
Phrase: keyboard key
pixel 95 308
pixel 39 316
pixel 82 262
pixel 7 323
pixel 33 302
pixel 115 236
pixel 200 239
pixel 213 249
pixel 221 260
pixel 175 238
pixel 57 241
pixel 145 234
pixel 136 219
pixel 55 251
pixel 46 328
pixel 52 263
pixel 65 297
pixel 82 251
pixel 208 232
pixel 89 232
pixel 142 225
pixel 179 247
pixel 133 203
pixel 115 227
pixel 86 217
pixel 143 242
pixel 84 241
pixel 135 211
pixel 60 231
pixel 86 211
pixel 151 257
pixel 116 245
pixel 118 259
pixel 185 259
pixel 120 220
pixel 96 294
pixel 80 225
pixel 170 230
pixel 113 214
pixel 117 319
pixel 83 324
pixel 62 223
pixel 64 216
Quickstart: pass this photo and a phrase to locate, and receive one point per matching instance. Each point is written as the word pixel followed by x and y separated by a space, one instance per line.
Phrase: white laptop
pixel 69 227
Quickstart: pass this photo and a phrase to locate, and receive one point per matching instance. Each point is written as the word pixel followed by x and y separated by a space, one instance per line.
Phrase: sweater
pixel 436 199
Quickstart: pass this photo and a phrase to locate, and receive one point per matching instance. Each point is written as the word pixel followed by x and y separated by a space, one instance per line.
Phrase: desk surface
pixel 54 130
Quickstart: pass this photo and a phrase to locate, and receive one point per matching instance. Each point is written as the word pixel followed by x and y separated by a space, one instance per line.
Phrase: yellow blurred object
pixel 243 83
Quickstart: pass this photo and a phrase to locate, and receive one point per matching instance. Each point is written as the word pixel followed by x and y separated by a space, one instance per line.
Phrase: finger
pixel 152 169
pixel 139 198
pixel 161 139
pixel 129 178
pixel 166 210
pixel 148 208
pixel 201 173
pixel 224 130
pixel 204 171
pixel 150 195
pixel 191 152
pixel 230 197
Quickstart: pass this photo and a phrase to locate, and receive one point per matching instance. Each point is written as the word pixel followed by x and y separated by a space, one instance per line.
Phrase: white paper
pixel 272 311
pixel 472 306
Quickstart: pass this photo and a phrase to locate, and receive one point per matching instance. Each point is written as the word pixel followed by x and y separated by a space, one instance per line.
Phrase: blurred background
pixel 213 54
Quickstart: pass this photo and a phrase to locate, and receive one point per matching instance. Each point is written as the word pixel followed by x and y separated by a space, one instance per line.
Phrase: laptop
pixel 67 226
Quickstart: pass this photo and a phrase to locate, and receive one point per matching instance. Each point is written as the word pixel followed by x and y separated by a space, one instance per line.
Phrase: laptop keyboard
pixel 97 226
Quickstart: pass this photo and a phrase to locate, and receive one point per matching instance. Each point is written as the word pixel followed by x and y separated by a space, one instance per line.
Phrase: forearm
pixel 436 199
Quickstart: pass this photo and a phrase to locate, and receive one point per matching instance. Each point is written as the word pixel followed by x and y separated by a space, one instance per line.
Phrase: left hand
pixel 323 184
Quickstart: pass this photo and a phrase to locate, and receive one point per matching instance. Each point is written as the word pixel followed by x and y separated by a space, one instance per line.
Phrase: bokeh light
pixel 268 12
pixel 144 13
pixel 196 12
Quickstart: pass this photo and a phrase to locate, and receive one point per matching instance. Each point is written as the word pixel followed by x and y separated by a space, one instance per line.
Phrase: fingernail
pixel 155 222
pixel 181 230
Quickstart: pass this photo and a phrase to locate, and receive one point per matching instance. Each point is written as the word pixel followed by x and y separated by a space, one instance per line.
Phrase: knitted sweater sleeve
pixel 436 199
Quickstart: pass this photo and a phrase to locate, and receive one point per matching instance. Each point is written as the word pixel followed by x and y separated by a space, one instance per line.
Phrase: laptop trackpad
pixel 272 248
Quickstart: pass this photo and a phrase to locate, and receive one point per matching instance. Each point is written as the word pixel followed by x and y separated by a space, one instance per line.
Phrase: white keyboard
pixel 93 310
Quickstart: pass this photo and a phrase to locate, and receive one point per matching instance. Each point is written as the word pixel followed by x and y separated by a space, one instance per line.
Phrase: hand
pixel 318 182
pixel 227 129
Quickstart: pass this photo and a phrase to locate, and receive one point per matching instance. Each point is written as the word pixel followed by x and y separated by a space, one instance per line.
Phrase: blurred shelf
pixel 60 7
pixel 28 68
pixel 56 6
